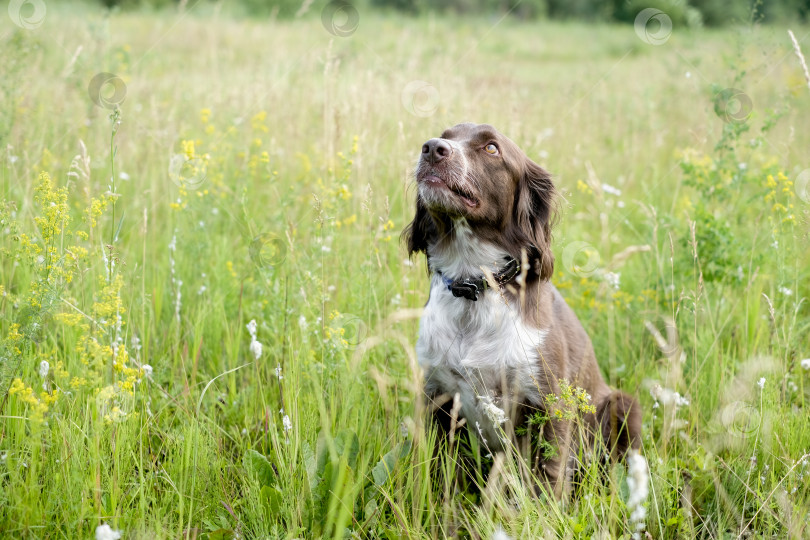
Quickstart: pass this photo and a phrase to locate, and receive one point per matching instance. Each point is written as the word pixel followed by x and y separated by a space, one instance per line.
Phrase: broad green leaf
pixel 261 467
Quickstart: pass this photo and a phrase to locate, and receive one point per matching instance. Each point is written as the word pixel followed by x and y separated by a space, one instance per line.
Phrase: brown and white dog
pixel 495 332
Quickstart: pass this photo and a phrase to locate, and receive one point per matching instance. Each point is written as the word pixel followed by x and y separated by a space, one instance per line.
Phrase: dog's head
pixel 476 173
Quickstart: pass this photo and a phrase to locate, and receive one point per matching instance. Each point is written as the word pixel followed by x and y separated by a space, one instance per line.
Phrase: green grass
pixel 305 149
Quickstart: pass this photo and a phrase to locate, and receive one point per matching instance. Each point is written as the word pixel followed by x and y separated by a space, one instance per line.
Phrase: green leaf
pixel 345 444
pixel 348 445
pixel 271 497
pixel 311 466
pixel 261 467
pixel 383 469
pixel 219 534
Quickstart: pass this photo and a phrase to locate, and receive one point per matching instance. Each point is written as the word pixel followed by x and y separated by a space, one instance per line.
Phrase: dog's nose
pixel 436 150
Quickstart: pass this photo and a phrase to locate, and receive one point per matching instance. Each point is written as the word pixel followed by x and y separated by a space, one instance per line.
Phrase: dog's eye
pixel 491 149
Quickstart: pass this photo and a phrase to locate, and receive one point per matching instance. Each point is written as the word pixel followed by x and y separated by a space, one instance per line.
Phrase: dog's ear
pixel 418 233
pixel 535 214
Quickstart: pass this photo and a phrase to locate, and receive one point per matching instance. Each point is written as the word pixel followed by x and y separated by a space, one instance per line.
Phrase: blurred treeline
pixel 682 12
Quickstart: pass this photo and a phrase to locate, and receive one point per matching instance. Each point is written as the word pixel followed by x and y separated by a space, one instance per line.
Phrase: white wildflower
pixel 493 412
pixel 147 370
pixel 785 291
pixel 178 300
pixel 761 383
pixel 500 534
pixel 44 367
pixel 607 188
pixel 638 486
pixel 278 372
pixel 256 349
pixel 123 175
pixel 135 342
pixel 251 326
pixel 668 397
pixel 287 423
pixel 302 323
pixel 105 532
pixel 805 363
pixel 480 433
pixel 255 346
pixel 613 279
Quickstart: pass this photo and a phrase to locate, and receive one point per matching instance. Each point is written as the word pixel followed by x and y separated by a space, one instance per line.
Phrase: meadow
pixel 208 319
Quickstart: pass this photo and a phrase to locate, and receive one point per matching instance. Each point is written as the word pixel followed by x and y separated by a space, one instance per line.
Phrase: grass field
pixel 261 171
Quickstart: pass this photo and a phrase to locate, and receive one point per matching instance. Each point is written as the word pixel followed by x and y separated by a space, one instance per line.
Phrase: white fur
pixel 482 350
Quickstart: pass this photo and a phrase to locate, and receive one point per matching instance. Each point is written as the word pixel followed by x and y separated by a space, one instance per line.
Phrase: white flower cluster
pixel 255 346
pixel 493 412
pixel 667 397
pixel 105 532
pixel 44 367
pixel 256 351
pixel 638 486
pixel 178 283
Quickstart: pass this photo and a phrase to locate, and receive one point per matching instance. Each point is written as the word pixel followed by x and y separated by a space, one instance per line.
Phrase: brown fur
pixel 510 201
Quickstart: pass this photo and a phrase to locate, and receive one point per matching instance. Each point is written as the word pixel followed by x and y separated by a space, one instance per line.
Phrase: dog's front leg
pixel 553 454
pixel 547 450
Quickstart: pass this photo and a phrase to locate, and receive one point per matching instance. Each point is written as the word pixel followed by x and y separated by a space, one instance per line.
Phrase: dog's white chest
pixel 480 350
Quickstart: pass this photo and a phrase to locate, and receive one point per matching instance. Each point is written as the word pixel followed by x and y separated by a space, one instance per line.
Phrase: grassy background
pixel 299 147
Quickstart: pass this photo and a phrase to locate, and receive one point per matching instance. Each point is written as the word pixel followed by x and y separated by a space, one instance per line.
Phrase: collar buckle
pixel 469 287
pixel 464 289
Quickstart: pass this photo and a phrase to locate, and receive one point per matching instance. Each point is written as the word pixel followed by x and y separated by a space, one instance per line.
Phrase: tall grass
pixel 260 171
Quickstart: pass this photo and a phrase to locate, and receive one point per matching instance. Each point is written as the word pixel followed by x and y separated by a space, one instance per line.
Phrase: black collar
pixel 470 287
